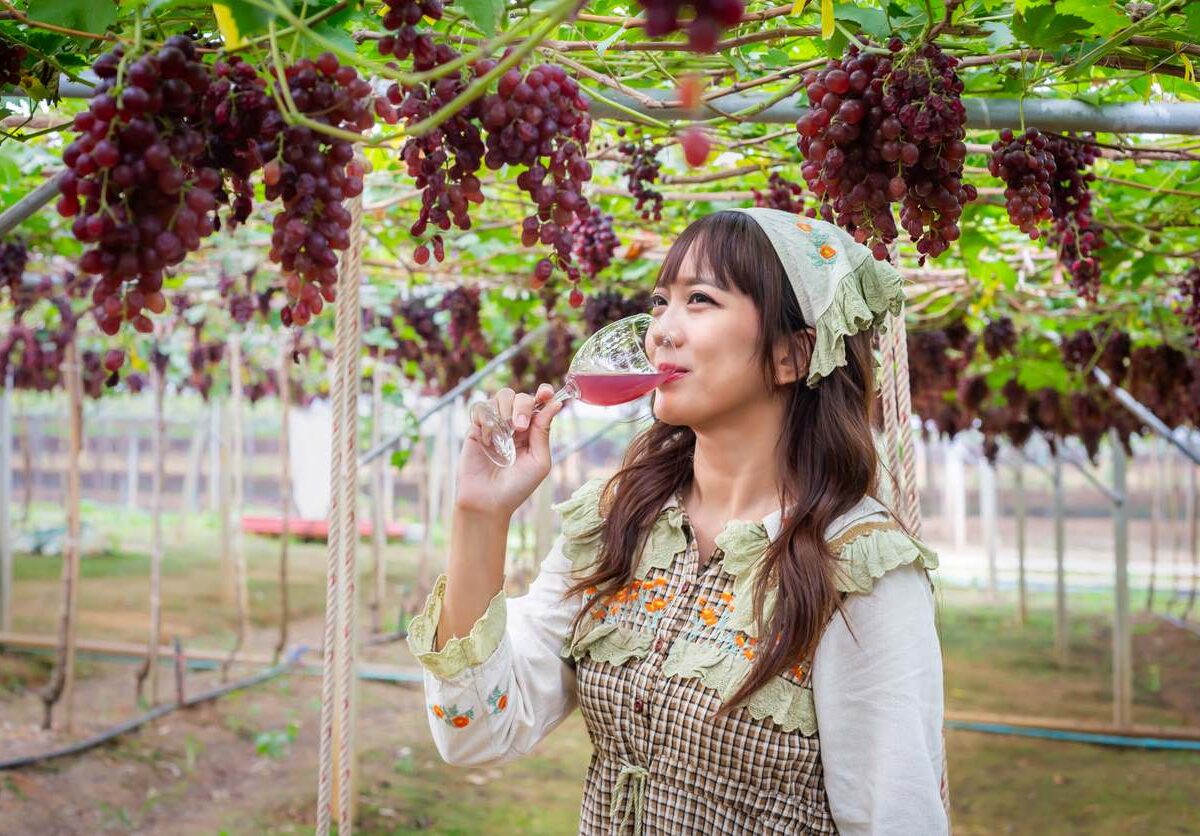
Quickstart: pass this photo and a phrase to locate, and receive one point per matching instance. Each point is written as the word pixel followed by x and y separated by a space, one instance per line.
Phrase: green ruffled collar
pixel 742 542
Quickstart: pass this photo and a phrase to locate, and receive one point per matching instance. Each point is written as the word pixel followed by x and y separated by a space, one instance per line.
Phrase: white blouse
pixel 877 687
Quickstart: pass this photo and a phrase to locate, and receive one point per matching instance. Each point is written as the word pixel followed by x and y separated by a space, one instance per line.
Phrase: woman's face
pixel 715 337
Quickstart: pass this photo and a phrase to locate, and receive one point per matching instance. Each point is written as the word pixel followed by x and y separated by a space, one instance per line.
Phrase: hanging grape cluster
pixel 708 19
pixel 313 175
pixel 443 161
pixel 887 129
pixel 1073 232
pixel 1189 289
pixel 13 257
pixel 641 172
pixel 1026 165
pixel 11 56
pixel 540 120
pixel 136 182
pixel 999 337
pixel 784 195
pixel 595 244
pixel 608 306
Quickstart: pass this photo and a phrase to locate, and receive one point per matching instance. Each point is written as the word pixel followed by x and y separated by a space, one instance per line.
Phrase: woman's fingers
pixel 522 410
pixel 504 403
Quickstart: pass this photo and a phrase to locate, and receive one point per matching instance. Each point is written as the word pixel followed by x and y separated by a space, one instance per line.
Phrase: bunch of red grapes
pixel 709 18
pixel 137 183
pixel 1026 165
pixel 243 130
pixel 13 257
pixel 881 130
pixel 1073 234
pixel 313 176
pixel 540 121
pixel 203 358
pixel 641 173
pixel 445 160
pixel 1189 288
pixel 608 306
pixel 595 243
pixel 784 195
pixel 11 56
pixel 999 337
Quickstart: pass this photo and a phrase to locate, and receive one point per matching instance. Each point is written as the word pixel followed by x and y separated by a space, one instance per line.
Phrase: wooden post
pixel 378 519
pixel 6 484
pixel 62 679
pixel 955 493
pixel 1156 510
pixel 1061 627
pixel 237 446
pixel 1019 496
pixel 224 487
pixel 1122 639
pixel 132 467
pixel 285 493
pixel 987 510
pixel 158 451
pixel 28 431
pixel 216 432
pixel 189 501
pixel 1193 544
pixel 1171 484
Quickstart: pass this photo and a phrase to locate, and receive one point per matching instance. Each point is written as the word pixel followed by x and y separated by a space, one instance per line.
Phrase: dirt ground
pixel 247 763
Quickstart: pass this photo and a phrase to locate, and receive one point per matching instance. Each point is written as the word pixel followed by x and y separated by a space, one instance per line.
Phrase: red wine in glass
pixel 610 389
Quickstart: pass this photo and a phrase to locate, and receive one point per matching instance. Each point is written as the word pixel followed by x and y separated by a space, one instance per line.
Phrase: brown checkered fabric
pixel 656 740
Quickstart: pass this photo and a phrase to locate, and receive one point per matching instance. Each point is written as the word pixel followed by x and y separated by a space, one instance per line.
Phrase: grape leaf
pixel 484 13
pixel 86 15
pixel 1101 14
pixel 1043 27
pixel 871 21
pixel 1000 36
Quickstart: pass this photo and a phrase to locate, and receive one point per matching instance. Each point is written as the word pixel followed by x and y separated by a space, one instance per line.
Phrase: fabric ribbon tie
pixel 630 794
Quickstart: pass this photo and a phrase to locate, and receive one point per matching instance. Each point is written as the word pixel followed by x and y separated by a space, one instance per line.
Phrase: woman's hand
pixel 484 487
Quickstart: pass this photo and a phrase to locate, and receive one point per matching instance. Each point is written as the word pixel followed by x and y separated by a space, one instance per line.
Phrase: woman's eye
pixel 657 300
pixel 701 296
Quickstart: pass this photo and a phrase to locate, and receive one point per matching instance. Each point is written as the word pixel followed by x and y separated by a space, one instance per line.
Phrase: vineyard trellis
pixel 282 126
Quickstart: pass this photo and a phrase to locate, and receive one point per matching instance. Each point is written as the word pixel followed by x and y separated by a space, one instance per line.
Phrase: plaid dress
pixel 655 738
pixel 650 664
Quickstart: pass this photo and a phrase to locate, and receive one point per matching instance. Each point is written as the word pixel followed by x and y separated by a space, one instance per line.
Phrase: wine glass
pixel 610 368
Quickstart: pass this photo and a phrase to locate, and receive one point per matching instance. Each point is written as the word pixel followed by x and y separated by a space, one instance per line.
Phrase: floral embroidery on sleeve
pixel 451 716
pixel 497 701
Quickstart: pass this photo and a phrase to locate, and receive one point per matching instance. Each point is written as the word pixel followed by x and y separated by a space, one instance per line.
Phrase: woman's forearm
pixel 474 571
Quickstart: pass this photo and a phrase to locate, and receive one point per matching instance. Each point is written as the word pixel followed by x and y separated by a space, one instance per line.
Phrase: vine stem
pixel 292 114
pixel 476 88
pixel 23 17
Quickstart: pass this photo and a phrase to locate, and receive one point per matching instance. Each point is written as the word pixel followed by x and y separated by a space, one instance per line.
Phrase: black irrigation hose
pixel 129 725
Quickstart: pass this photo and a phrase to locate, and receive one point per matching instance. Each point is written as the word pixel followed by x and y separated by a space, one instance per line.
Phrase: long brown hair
pixel 825 447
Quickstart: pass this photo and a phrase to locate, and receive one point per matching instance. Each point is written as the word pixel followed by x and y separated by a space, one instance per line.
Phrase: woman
pixel 652 610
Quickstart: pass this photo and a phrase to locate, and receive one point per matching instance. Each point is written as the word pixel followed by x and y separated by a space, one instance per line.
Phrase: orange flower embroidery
pixel 660 582
pixel 798 671
pixel 748 653
pixel 726 597
pixel 827 251
pixel 437 710
pixel 804 227
pixel 502 703
pixel 461 721
pixel 636 585
pixel 708 616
